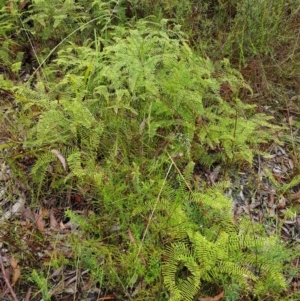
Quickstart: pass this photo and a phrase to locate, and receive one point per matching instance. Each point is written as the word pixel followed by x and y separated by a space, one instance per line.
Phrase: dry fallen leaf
pixel 295 196
pixel 214 174
pixel 10 6
pixel 16 270
pixel 281 203
pixel 44 212
pixel 22 4
pixel 40 223
pixel 16 275
pixel 13 262
pixel 53 222
pixel 271 212
pixel 132 239
pixel 27 214
pixel 62 226
pixel 16 208
pixel 7 273
pixel 28 294
pixel 60 158
pixel 110 297
pixel 216 298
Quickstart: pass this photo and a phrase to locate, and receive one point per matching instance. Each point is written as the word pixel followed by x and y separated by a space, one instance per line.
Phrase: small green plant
pixel 42 284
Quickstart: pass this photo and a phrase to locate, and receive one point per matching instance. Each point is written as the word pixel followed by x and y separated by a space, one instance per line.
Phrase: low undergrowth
pixel 108 136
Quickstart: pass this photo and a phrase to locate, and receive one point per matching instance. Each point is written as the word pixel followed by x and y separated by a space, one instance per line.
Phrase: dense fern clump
pixel 189 248
pixel 145 94
pixel 136 89
pixel 125 123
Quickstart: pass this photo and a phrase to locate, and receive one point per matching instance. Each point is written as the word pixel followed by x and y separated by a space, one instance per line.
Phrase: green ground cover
pixel 150 150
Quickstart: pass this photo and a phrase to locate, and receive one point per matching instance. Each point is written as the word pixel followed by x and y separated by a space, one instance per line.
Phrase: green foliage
pixel 42 283
pixel 282 188
pixel 208 248
pixel 240 29
pixel 219 250
pixel 57 19
pixel 256 27
pixel 141 81
pixel 10 50
pixel 126 102
pixel 124 112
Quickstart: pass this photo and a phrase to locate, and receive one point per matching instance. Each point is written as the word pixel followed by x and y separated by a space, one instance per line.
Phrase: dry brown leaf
pixel 60 158
pixel 138 288
pixel 16 275
pixel 132 239
pixel 7 273
pixel 53 222
pixel 295 196
pixel 69 298
pixel 142 127
pixel 16 208
pixel 271 201
pixel 246 209
pixel 44 212
pixel 22 4
pixel 27 214
pixel 62 226
pixel 214 174
pixel 110 297
pixel 56 272
pixel 13 262
pixel 216 298
pixel 16 270
pixel 40 223
pixel 281 203
pixel 271 212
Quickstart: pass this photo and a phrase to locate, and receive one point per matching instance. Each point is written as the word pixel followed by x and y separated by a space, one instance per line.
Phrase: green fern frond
pixel 41 165
pixel 188 172
pixel 181 272
pixel 213 199
pixel 205 251
pixel 237 271
pixel 40 168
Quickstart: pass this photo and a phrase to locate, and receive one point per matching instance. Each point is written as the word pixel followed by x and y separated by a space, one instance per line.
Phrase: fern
pixel 218 249
pixel 282 188
pixel 186 285
pixel 119 117
pixel 39 171
pixel 142 78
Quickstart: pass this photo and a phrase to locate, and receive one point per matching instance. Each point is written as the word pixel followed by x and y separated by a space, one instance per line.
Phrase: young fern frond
pixel 181 272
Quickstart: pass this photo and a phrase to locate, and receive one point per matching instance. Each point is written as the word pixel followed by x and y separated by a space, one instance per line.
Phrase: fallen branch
pixel 6 280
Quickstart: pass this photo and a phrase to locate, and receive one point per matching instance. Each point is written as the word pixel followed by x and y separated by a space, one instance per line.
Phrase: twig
pixel 27 297
pixel 7 281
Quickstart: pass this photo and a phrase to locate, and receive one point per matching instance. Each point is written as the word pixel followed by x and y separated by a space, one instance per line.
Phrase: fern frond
pixel 40 168
pixel 41 165
pixel 181 272
pixel 230 268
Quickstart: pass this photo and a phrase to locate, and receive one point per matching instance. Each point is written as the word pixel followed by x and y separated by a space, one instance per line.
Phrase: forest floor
pixel 44 240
